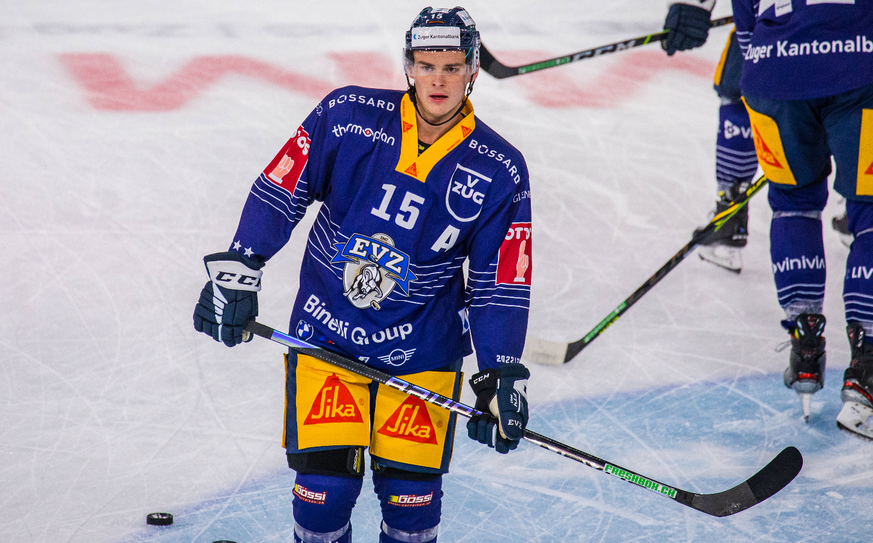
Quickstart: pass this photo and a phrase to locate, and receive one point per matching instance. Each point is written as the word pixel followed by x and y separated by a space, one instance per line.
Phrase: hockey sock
pixel 858 283
pixel 797 255
pixel 323 508
pixel 410 509
pixel 735 158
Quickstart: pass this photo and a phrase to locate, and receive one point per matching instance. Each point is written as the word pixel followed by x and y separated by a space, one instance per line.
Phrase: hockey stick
pixel 552 353
pixel 770 480
pixel 495 68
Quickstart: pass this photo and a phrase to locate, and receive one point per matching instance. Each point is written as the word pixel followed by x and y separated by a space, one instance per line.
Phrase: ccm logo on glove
pixel 234 275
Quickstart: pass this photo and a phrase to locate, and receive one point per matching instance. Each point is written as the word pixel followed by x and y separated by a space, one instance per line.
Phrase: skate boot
pixel 723 248
pixel 806 365
pixel 857 394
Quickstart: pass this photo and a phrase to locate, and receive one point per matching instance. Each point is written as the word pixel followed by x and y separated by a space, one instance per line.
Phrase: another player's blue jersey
pixel 803 49
pixel 382 277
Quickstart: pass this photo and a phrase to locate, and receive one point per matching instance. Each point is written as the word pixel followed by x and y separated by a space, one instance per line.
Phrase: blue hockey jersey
pixel 803 49
pixel 382 278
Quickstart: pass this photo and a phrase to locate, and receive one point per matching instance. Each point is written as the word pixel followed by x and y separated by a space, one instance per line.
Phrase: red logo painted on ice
pixel 333 403
pixel 285 170
pixel 411 422
pixel 513 262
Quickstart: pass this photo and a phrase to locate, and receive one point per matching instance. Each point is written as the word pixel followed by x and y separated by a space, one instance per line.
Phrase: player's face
pixel 441 78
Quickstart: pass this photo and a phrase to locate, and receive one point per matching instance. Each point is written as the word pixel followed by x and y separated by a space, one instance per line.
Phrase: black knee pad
pixel 380 470
pixel 346 462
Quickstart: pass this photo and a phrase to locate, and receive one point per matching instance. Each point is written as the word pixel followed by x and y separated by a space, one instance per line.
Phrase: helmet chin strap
pixel 411 92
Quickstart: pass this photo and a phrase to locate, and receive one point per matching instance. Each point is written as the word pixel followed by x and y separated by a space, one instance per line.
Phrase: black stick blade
pixel 494 67
pixel 771 479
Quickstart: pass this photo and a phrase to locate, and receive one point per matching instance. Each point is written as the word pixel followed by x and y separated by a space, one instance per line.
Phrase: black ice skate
pixel 806 365
pixel 723 248
pixel 857 393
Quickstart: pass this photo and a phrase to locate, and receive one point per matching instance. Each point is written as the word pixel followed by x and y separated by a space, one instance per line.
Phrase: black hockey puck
pixel 159 519
pixel 224 541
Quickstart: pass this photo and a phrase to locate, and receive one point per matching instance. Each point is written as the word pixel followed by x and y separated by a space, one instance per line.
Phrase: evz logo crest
pixel 465 193
pixel 373 268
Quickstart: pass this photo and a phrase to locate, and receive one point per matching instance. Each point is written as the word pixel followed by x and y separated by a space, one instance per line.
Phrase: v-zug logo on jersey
pixel 465 193
pixel 373 267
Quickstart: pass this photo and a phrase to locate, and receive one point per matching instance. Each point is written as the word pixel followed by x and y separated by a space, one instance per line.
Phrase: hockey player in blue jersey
pixel 411 186
pixel 688 23
pixel 808 86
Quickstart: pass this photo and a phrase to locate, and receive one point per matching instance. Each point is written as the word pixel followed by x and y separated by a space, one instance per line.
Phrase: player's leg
pixel 856 415
pixel 849 121
pixel 735 162
pixel 791 144
pixel 798 265
pixel 411 505
pixel 411 449
pixel 323 502
pixel 326 429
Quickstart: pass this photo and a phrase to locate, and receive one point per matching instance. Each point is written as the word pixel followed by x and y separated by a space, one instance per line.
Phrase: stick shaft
pixel 496 69
pixel 719 504
pixel 717 222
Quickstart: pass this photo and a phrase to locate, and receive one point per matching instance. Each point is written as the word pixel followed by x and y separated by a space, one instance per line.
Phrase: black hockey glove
pixel 502 393
pixel 688 26
pixel 230 297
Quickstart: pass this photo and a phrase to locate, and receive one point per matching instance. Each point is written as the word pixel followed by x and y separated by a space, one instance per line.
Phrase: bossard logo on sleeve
pixel 411 422
pixel 465 193
pixel 333 403
pixel 373 267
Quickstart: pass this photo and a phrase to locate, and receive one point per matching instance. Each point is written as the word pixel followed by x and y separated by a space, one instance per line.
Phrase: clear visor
pixel 427 65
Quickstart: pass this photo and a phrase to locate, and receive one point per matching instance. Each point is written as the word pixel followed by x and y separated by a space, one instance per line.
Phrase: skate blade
pixel 854 419
pixel 729 258
pixel 806 404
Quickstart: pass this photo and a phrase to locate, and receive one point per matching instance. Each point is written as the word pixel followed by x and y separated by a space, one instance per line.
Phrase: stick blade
pixel 771 479
pixel 544 353
pixel 494 67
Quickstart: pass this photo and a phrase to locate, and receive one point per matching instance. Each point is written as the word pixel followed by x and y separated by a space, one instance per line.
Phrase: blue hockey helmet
pixel 443 29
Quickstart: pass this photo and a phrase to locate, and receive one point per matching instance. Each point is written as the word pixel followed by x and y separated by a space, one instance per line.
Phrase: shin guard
pixel 323 508
pixel 410 509
pixel 735 158
pixel 797 255
pixel 858 283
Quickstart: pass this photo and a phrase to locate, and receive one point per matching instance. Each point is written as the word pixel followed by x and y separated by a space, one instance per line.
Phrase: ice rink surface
pixel 130 133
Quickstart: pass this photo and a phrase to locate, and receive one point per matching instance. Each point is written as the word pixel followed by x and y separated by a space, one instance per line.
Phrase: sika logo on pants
pixel 333 403
pixel 411 422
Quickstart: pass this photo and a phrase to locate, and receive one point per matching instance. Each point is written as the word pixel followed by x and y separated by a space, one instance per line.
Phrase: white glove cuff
pixel 234 275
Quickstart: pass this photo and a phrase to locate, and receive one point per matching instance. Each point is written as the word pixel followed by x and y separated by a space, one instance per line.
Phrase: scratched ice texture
pixel 130 133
